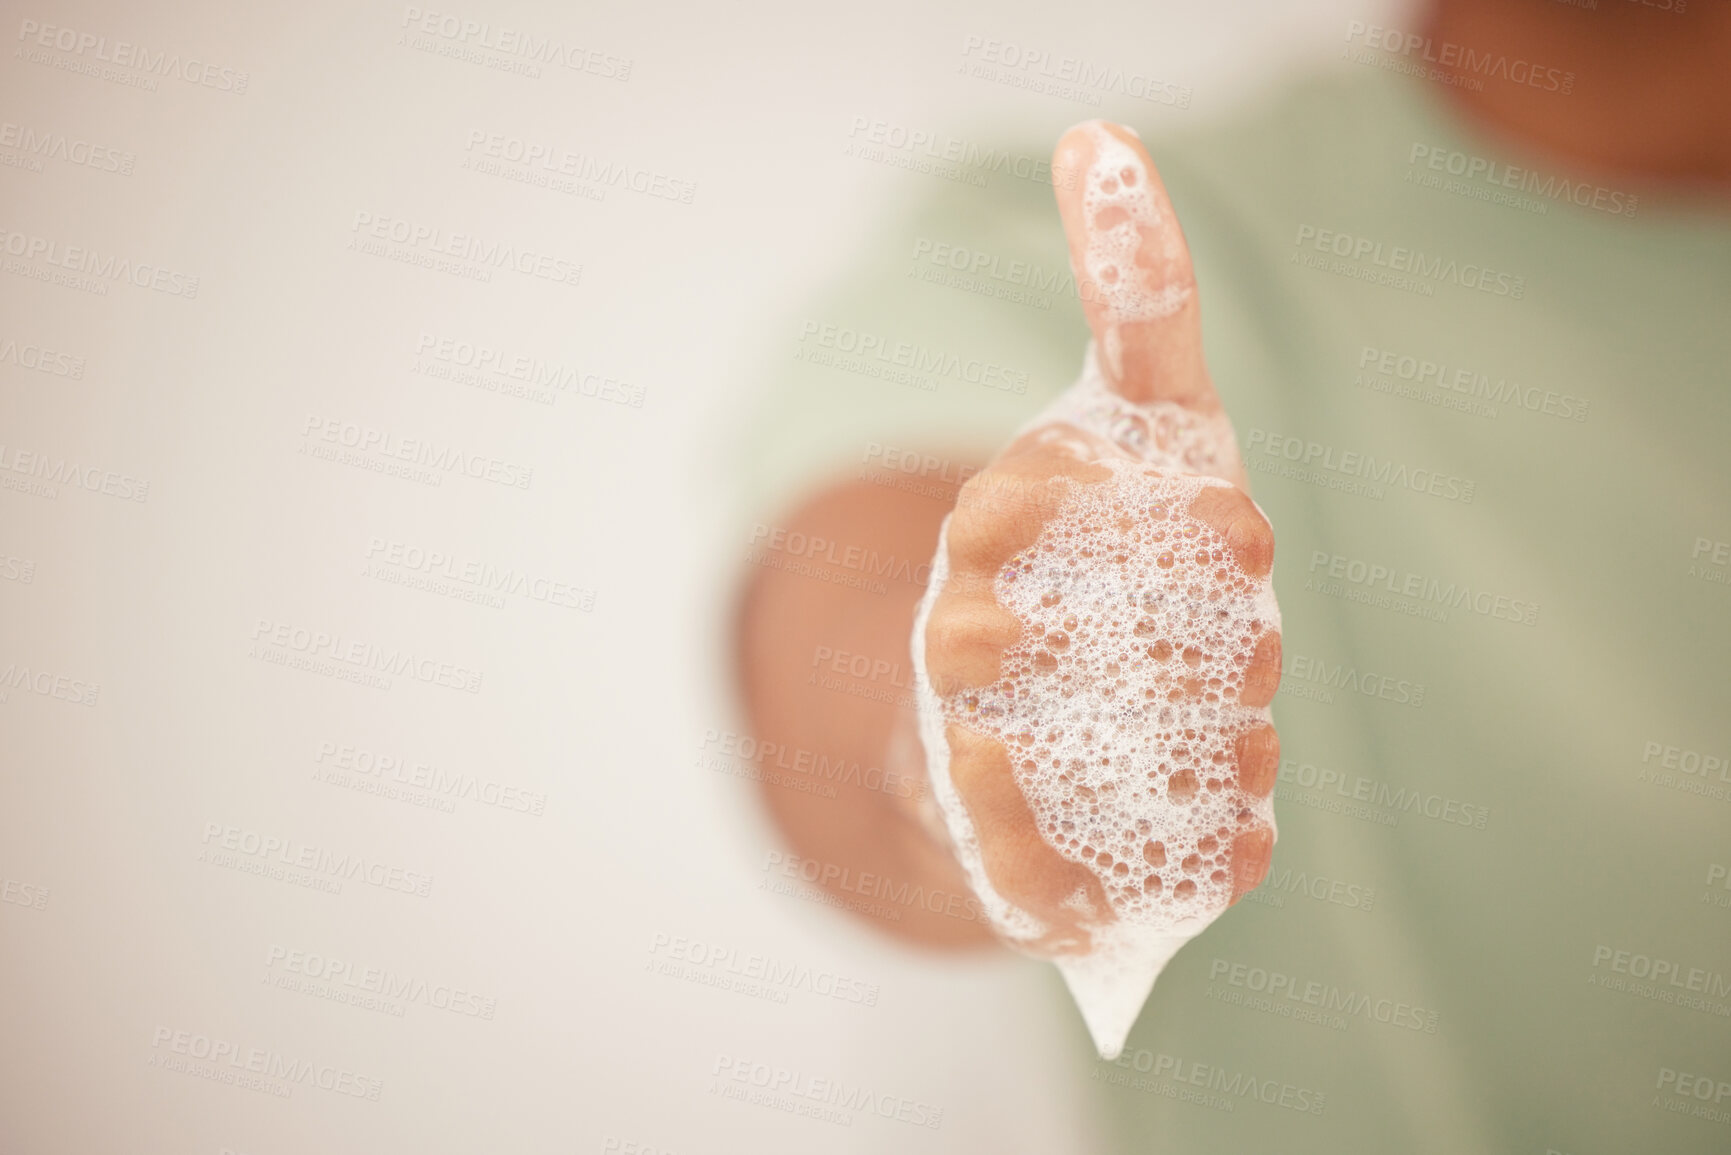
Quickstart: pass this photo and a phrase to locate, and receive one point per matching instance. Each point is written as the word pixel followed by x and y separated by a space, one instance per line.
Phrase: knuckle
pixel 974 538
pixel 1262 674
pixel 994 520
pixel 1251 538
pixel 1235 517
pixel 1252 852
pixel 1258 756
pixel 966 640
pixel 1001 494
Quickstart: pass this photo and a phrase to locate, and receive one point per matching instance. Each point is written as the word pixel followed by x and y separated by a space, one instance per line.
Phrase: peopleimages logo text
pixel 96 263
pixel 1478 63
pixel 155 62
pixel 1414 262
pixel 1420 588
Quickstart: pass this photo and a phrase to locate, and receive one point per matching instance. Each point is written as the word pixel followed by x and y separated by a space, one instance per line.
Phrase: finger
pixel 1262 673
pixel 1258 756
pixel 1132 268
pixel 1251 853
pixel 1002 510
pixel 1231 514
pixel 1022 866
pixel 966 636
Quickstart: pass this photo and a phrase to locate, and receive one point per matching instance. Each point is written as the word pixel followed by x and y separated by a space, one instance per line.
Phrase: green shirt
pixel 1486 411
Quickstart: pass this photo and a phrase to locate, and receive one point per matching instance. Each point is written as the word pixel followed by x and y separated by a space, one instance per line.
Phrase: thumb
pixel 1132 268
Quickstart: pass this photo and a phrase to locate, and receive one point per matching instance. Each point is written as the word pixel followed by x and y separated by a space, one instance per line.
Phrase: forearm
pixel 791 626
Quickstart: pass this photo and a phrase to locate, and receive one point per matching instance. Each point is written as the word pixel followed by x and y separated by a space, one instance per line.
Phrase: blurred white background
pixel 129 922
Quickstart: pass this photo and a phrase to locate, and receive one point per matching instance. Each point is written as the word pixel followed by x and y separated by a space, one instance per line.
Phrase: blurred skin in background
pixel 1650 113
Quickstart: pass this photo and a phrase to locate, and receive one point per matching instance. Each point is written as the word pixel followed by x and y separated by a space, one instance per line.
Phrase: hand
pixel 1166 484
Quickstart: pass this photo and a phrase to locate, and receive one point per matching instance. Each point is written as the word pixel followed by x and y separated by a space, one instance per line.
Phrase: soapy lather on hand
pixel 1099 641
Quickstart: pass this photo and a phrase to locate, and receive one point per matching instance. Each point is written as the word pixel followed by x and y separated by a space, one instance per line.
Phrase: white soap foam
pixel 1164 434
pixel 1118 704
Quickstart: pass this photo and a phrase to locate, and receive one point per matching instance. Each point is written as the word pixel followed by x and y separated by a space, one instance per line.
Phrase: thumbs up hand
pixel 1099 642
